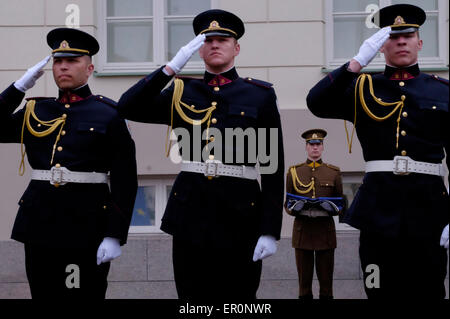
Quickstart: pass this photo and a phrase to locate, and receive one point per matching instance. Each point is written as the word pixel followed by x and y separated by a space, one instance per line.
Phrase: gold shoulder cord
pixel 360 87
pixel 52 126
pixel 177 103
pixel 309 186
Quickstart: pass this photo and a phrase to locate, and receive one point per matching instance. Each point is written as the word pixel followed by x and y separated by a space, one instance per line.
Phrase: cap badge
pixel 314 135
pixel 214 25
pixel 64 45
pixel 399 20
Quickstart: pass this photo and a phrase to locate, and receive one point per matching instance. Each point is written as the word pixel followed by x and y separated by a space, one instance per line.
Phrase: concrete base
pixel 144 271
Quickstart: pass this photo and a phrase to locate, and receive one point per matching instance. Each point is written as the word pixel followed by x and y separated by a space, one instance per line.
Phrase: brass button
pixel 403 153
pixel 57 165
pixel 401 83
pixel 21 201
pixel 193 106
pixel 211 157
pixel 214 121
pixel 175 194
pixel 216 89
pixel 105 207
pixel 434 107
pixel 59 148
pixel 39 125
pixel 63 132
pixel 252 204
pixel 403 97
pixel 64 116
pixel 101 97
pixel 403 133
pixel 91 129
pixel 213 103
pixel 405 114
pixel 211 139
pixel 250 79
pixel 242 113
pixel 67 106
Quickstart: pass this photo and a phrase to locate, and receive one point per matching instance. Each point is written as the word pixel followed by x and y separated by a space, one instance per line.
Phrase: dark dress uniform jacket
pixel 315 233
pixel 94 139
pixel 389 204
pixel 224 212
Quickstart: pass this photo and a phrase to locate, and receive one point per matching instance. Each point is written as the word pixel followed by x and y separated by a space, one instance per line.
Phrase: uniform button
pixel 434 107
pixel 403 133
pixel 64 116
pixel 39 125
pixel 252 204
pixel 403 153
pixel 211 157
pixel 193 106
pixel 57 165
pixel 91 129
pixel 405 114
pixel 59 148
pixel 214 121
pixel 105 207
pixel 211 139
pixel 101 97
pixel 175 194
pixel 249 79
pixel 213 103
pixel 401 83
pixel 242 113
pixel 67 106
pixel 403 97
pixel 63 132
pixel 216 89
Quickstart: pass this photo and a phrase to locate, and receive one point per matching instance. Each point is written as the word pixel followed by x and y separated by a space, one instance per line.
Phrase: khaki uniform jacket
pixel 315 233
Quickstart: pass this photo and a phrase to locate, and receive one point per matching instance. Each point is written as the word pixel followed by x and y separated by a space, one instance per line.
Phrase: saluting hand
pixel 371 46
pixel 28 80
pixel 266 246
pixel 185 53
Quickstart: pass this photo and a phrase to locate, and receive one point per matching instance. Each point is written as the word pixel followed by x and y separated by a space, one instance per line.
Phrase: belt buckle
pixel 57 177
pixel 398 170
pixel 211 168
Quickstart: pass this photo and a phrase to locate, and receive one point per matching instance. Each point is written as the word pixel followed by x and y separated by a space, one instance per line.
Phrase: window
pixel 141 35
pixel 348 24
pixel 151 200
pixel 350 185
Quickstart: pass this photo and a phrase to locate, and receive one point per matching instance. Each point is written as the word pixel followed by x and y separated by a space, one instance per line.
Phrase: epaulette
pixel 333 167
pixel 297 165
pixel 260 83
pixel 39 98
pixel 106 100
pixel 442 80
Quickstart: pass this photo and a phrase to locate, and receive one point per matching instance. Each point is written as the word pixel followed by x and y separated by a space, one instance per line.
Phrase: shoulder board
pixel 182 77
pixel 260 83
pixel 39 98
pixel 442 80
pixel 333 167
pixel 297 165
pixel 106 100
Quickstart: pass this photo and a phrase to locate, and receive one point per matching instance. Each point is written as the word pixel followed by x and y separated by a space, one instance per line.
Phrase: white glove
pixel 444 237
pixel 28 80
pixel 108 250
pixel 371 46
pixel 185 53
pixel 266 246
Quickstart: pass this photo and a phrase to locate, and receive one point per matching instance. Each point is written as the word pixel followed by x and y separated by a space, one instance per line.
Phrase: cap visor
pixel 218 34
pixel 66 54
pixel 407 30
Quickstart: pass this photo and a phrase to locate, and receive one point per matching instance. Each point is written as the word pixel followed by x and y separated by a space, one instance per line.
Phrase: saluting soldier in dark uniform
pixel 221 220
pixel 316 184
pixel 71 223
pixel 401 118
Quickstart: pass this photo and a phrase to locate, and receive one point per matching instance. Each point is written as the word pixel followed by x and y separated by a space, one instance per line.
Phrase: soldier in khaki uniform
pixel 314 195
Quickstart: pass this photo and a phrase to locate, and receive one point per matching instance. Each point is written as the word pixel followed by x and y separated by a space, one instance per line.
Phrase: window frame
pixel 103 67
pixel 161 197
pixel 438 63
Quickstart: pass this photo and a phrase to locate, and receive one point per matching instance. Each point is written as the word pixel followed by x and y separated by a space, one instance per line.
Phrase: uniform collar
pixel 314 164
pixel 401 74
pixel 76 95
pixel 222 78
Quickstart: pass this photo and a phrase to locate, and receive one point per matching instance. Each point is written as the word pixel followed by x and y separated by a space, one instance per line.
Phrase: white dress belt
pixel 403 165
pixel 215 168
pixel 61 176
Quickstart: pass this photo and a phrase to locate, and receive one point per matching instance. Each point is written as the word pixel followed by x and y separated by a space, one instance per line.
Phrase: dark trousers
pixel 324 260
pixel 402 268
pixel 207 272
pixel 64 273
